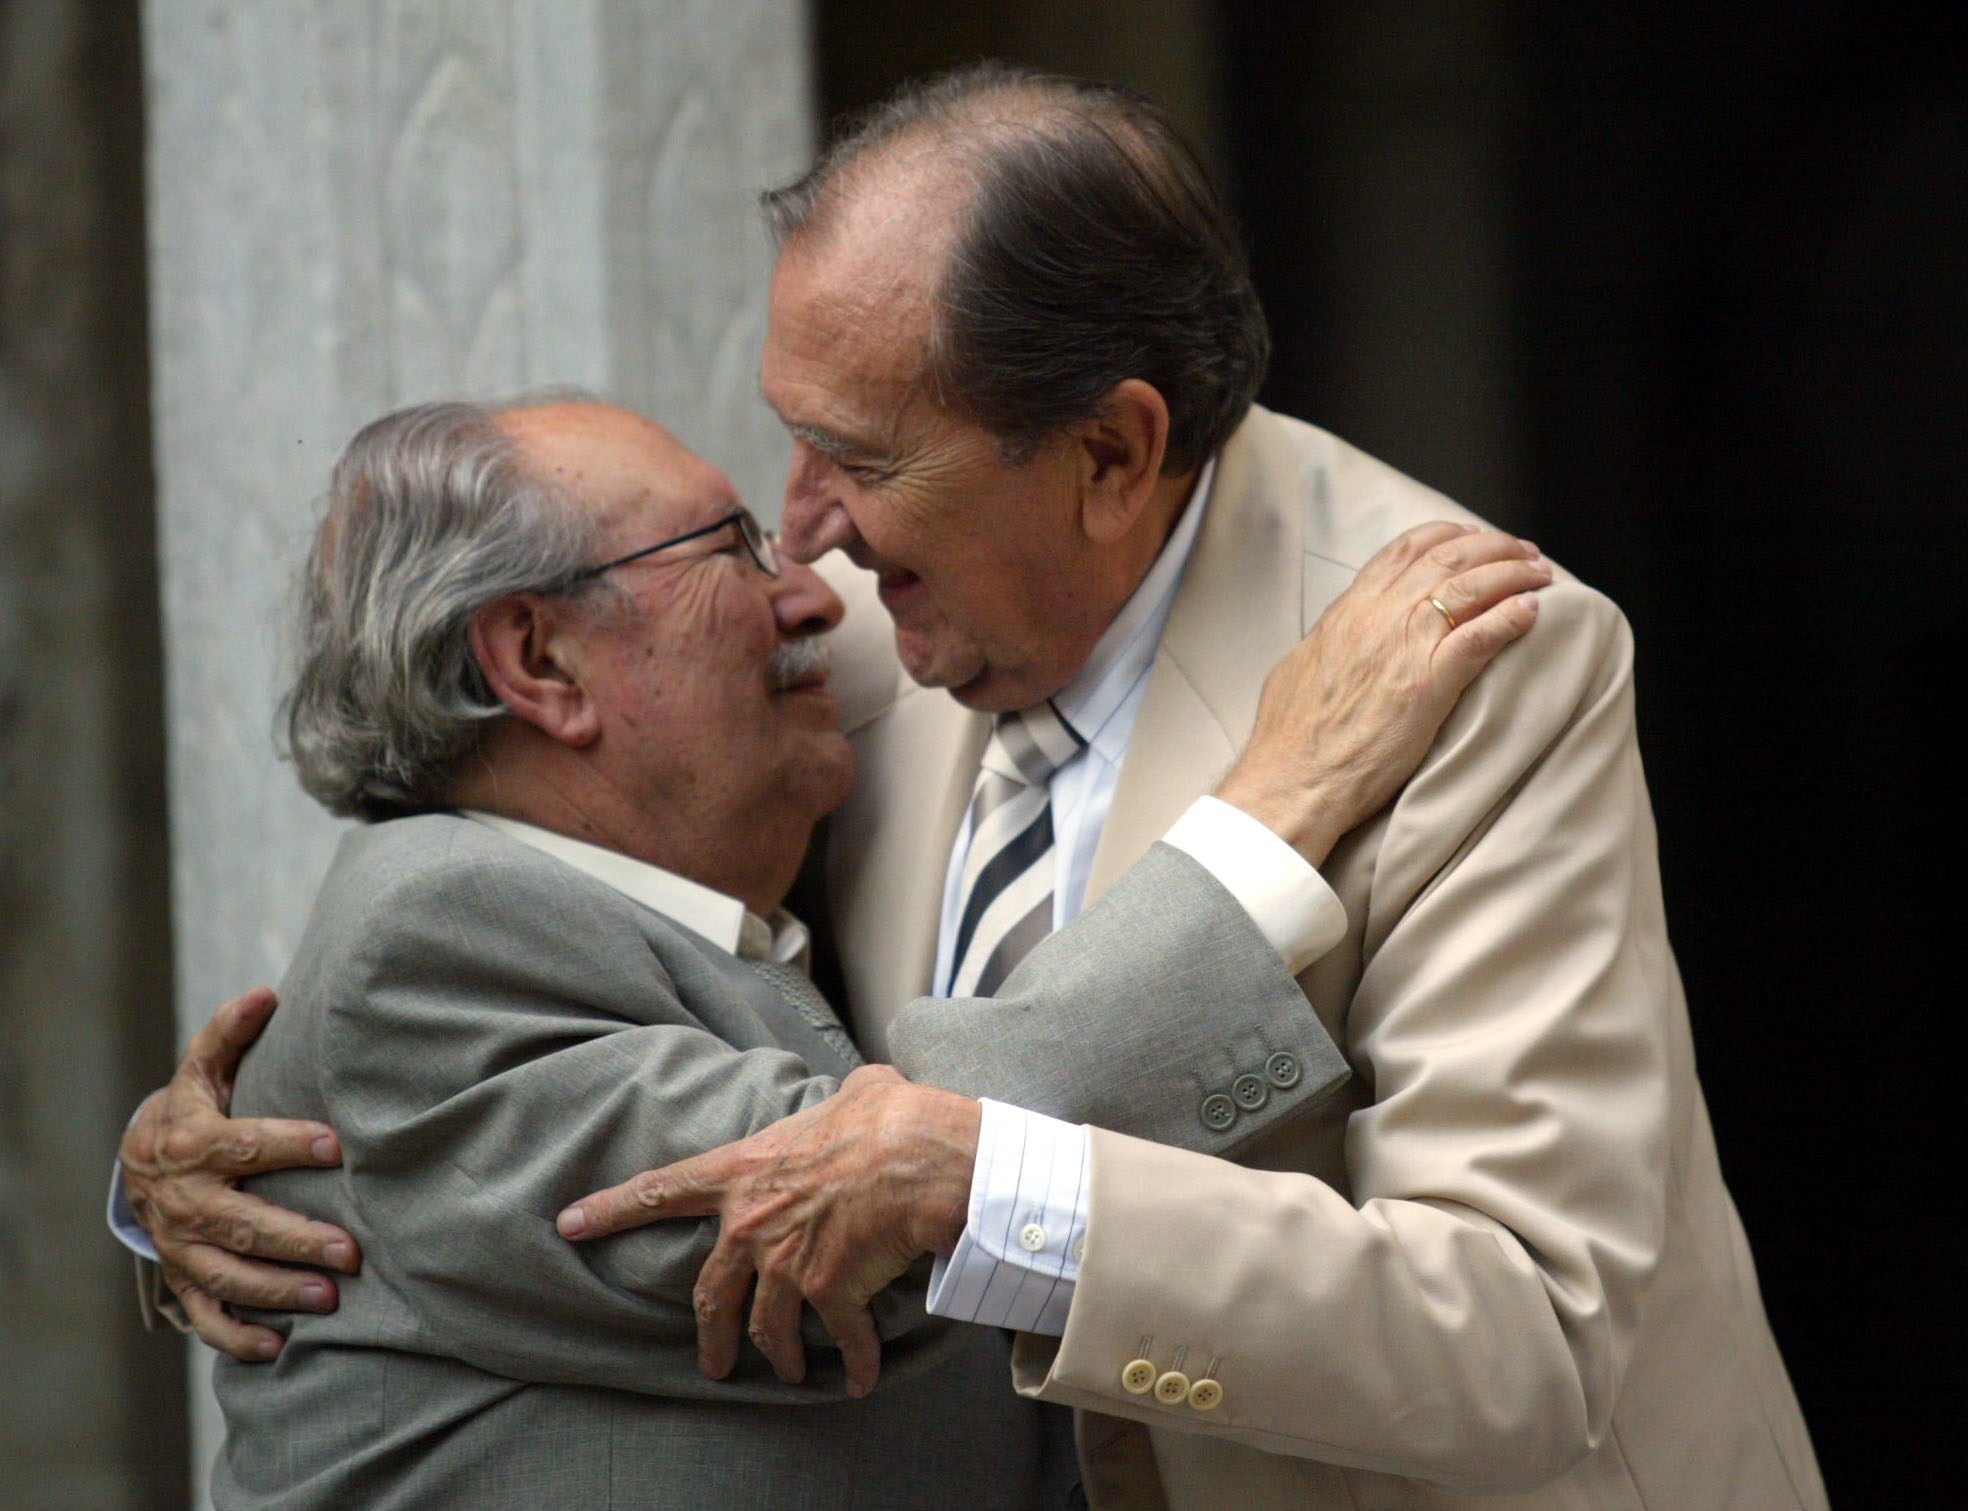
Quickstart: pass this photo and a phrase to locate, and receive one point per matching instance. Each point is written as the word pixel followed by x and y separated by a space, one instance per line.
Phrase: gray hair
pixel 430 515
pixel 1093 248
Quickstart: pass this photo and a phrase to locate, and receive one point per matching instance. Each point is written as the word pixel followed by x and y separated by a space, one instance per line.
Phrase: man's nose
pixel 811 519
pixel 802 603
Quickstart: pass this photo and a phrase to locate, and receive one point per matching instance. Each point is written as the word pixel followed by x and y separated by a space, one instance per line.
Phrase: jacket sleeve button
pixel 1282 1071
pixel 1218 1112
pixel 1138 1377
pixel 1250 1092
pixel 1205 1395
pixel 1172 1388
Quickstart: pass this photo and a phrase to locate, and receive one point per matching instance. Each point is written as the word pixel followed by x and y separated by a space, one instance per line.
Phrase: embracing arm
pixel 1150 1012
pixel 1169 975
pixel 177 1174
pixel 499 1047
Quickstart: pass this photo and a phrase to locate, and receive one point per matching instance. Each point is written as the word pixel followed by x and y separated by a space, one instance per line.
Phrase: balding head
pixel 1063 238
pixel 431 513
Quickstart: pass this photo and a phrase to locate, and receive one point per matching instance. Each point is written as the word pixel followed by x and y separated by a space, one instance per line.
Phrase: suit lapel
pixel 885 890
pixel 1237 610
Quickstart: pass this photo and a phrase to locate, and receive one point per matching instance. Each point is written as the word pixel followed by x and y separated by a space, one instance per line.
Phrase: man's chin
pixel 835 769
pixel 932 665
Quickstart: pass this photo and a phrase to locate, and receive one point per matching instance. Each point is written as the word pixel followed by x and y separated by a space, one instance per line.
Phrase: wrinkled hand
pixel 182 1161
pixel 826 1206
pixel 1347 716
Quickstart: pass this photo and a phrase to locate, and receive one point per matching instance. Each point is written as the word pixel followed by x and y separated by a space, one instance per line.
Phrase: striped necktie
pixel 1009 872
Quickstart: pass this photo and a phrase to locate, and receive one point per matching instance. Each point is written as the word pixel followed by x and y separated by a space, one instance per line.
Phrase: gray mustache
pixel 797 658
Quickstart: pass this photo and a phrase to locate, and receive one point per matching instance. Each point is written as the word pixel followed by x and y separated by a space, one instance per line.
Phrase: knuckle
pixel 1445 556
pixel 235 1234
pixel 647 1192
pixel 181 1146
pixel 242 1145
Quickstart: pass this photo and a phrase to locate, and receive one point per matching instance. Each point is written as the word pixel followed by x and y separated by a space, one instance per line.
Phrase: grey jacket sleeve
pixel 501 1041
pixel 1161 1012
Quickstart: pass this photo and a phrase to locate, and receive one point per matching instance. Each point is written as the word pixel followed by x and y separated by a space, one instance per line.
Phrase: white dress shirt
pixel 1018 1258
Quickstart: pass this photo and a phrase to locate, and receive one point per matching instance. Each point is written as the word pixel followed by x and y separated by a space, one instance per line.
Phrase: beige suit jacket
pixel 1500 1260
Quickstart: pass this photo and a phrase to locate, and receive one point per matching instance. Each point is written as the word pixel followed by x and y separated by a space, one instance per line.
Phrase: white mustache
pixel 796 659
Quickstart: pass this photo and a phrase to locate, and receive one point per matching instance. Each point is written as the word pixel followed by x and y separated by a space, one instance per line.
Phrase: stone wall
pixel 359 203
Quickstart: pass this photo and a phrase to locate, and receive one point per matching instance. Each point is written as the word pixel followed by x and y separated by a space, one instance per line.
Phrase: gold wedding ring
pixel 1442 609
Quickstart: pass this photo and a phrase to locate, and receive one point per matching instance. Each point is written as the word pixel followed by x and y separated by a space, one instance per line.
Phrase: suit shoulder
pixel 1353 503
pixel 1578 656
pixel 407 877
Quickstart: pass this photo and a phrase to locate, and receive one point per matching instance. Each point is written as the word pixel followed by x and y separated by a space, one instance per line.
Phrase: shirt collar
pixel 1122 654
pixel 724 921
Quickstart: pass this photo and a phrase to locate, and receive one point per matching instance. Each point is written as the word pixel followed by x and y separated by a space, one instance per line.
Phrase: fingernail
pixel 572 1223
pixel 1530 547
pixel 267 1348
pixel 314 1293
pixel 338 1253
pixel 1531 602
pixel 856 1389
pixel 324 1150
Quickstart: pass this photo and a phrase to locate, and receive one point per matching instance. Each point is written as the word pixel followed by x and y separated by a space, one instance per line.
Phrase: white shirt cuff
pixel 1018 1259
pixel 122 1221
pixel 1285 896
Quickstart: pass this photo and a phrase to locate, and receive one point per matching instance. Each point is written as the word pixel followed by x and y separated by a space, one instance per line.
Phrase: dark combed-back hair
pixel 1092 248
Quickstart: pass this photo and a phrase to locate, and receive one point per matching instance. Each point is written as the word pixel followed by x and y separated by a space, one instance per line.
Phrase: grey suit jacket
pixel 493 1034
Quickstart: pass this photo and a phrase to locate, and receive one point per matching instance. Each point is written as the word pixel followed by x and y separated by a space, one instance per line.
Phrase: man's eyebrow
pixel 824 441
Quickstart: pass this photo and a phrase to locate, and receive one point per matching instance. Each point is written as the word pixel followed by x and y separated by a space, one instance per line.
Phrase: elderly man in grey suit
pixel 585 712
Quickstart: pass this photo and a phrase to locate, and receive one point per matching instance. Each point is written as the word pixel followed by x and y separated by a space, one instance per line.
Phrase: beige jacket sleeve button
pixel 1138 1377
pixel 1173 1388
pixel 1205 1395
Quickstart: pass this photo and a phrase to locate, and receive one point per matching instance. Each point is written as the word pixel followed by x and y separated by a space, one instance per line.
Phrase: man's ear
pixel 1120 452
pixel 525 650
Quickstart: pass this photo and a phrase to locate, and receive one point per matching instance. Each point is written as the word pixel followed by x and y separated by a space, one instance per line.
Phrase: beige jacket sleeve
pixel 1459 1305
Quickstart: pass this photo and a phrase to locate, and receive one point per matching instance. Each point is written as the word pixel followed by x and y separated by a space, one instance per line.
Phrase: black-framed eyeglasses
pixel 758 546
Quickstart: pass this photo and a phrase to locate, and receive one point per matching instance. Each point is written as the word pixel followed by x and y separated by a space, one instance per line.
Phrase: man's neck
pixel 1159 520
pixel 518 776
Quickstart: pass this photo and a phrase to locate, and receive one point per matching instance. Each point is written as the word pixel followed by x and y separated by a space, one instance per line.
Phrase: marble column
pixel 355 204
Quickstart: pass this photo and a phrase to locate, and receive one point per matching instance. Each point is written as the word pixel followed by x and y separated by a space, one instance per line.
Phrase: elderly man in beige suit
pixel 1011 336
